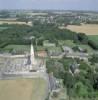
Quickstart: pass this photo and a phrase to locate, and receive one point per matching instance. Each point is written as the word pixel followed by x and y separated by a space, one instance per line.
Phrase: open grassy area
pixel 22 89
pixel 22 48
pixel 18 47
pixel 3 28
pixel 67 43
pixel 87 47
pixel 93 37
pixel 39 48
pixel 71 44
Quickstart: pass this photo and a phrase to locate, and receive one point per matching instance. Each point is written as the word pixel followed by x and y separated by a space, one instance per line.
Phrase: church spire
pixel 32 54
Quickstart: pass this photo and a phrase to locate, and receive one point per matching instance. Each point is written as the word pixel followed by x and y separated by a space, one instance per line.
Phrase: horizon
pixel 77 5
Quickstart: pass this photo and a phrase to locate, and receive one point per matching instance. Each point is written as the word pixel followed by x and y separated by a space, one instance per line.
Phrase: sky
pixel 50 4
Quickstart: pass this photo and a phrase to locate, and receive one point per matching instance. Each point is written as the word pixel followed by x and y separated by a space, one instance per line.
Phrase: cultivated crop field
pixel 11 22
pixel 89 29
pixel 22 89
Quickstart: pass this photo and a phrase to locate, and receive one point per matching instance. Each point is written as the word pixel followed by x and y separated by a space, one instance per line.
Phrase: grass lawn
pixel 93 37
pixel 3 28
pixel 18 47
pixel 54 49
pixel 22 89
pixel 89 49
pixel 71 44
pixel 67 43
pixel 39 48
pixel 23 47
pixel 67 62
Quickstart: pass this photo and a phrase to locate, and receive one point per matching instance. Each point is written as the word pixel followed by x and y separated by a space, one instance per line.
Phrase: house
pixel 81 56
pixel 67 49
pixel 54 51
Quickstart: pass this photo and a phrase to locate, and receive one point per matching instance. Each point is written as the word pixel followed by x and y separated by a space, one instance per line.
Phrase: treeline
pixel 14 34
pixel 92 22
pixel 2 45
pixel 83 38
pixel 93 44
pixel 20 34
pixel 4 14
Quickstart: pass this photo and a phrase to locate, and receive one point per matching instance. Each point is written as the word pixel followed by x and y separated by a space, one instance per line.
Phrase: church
pixel 22 65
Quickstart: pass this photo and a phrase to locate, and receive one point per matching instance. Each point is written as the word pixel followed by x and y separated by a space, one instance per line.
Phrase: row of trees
pixel 21 33
pixel 83 38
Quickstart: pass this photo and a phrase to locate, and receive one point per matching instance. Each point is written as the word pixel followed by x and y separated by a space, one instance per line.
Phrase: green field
pixel 40 48
pixel 3 28
pixel 18 47
pixel 67 43
pixel 94 38
pixel 23 89
pixel 23 48
pixel 71 44
pixel 87 47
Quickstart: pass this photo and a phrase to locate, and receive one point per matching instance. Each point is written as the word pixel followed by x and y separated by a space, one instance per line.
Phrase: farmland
pixel 11 22
pixel 89 29
pixel 22 89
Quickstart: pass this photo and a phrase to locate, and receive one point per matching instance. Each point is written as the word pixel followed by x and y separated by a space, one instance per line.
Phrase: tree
pixel 69 82
pixel 81 90
pixel 94 59
pixel 55 67
pixel 83 38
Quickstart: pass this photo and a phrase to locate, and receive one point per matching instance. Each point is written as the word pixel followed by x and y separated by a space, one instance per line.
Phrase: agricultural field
pixel 36 14
pixel 7 19
pixel 23 89
pixel 89 29
pixel 13 22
